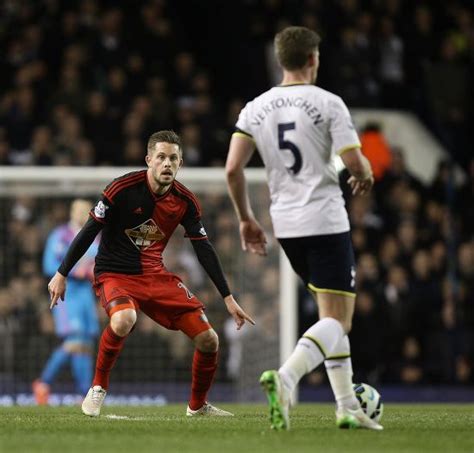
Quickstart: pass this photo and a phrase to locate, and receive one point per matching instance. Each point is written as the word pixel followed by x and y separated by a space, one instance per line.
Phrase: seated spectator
pixel 410 368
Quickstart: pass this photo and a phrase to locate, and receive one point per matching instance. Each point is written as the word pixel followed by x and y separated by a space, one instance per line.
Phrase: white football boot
pixel 208 410
pixel 93 401
pixel 355 418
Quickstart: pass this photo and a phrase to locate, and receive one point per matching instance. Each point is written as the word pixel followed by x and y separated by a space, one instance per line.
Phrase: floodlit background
pixel 84 83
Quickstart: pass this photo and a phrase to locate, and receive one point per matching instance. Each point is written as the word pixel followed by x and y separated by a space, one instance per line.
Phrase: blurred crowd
pixel 414 317
pixel 414 245
pixel 152 354
pixel 86 82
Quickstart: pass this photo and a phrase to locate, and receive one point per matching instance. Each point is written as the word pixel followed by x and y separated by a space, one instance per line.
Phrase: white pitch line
pixel 124 417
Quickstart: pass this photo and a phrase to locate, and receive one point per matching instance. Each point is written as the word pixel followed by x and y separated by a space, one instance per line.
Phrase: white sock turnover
pixel 312 348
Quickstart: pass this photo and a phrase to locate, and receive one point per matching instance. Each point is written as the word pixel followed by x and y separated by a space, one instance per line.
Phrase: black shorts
pixel 324 262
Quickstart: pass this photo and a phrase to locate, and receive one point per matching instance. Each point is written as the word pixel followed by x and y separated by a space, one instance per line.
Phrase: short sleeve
pixel 342 130
pixel 243 123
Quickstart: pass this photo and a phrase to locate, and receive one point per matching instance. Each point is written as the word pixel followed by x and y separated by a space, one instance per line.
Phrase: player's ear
pixel 147 159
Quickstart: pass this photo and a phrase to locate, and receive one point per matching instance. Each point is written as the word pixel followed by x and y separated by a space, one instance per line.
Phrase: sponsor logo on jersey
pixel 99 210
pixel 145 235
pixel 202 231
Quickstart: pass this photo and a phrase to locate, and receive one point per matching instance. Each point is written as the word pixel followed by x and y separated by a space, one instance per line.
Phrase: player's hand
pixel 361 186
pixel 252 237
pixel 57 289
pixel 237 313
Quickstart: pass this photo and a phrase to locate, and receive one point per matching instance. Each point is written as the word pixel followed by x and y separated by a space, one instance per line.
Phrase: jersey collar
pixel 293 84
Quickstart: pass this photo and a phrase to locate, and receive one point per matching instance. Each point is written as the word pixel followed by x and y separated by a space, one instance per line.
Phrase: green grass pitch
pixel 408 428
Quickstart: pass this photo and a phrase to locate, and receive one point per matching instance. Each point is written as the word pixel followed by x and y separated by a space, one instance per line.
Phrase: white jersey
pixel 298 130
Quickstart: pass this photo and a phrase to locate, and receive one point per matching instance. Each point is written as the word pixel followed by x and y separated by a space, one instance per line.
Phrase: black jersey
pixel 137 223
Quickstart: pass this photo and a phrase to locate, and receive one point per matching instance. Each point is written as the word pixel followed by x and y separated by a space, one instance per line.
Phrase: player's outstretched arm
pixel 79 246
pixel 57 288
pixel 237 312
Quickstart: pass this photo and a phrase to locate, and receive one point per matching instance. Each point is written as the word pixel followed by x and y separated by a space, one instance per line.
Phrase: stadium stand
pixel 84 83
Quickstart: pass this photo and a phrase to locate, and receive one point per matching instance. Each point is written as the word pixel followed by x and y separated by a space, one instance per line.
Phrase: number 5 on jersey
pixel 286 144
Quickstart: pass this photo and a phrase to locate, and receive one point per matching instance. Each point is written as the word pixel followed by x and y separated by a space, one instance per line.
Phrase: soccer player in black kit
pixel 137 214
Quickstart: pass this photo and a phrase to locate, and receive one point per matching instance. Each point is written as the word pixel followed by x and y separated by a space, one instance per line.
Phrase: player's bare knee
pixel 122 322
pixel 207 341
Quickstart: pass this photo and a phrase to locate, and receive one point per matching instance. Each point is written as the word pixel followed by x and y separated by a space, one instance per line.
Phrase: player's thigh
pixel 172 305
pixel 196 326
pixel 119 292
pixel 294 249
pixel 331 264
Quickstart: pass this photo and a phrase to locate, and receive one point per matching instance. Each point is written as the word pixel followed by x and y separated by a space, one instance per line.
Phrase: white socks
pixel 324 341
pixel 339 369
pixel 317 343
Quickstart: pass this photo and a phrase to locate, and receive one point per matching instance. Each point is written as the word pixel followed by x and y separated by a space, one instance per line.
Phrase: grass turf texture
pixel 408 428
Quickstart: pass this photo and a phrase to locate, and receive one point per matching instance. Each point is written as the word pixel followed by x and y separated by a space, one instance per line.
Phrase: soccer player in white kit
pixel 298 129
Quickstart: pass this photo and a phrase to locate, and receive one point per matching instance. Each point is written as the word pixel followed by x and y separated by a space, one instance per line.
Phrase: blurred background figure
pixel 376 149
pixel 76 322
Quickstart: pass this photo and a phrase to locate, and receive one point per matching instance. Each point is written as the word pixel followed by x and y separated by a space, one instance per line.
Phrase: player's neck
pixel 159 189
pixel 156 188
pixel 300 77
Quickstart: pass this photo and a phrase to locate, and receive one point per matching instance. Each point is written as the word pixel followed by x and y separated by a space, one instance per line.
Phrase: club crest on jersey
pixel 99 210
pixel 353 275
pixel 145 235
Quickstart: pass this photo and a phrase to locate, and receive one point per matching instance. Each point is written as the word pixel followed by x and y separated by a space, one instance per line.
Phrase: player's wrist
pixel 364 177
pixel 60 273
